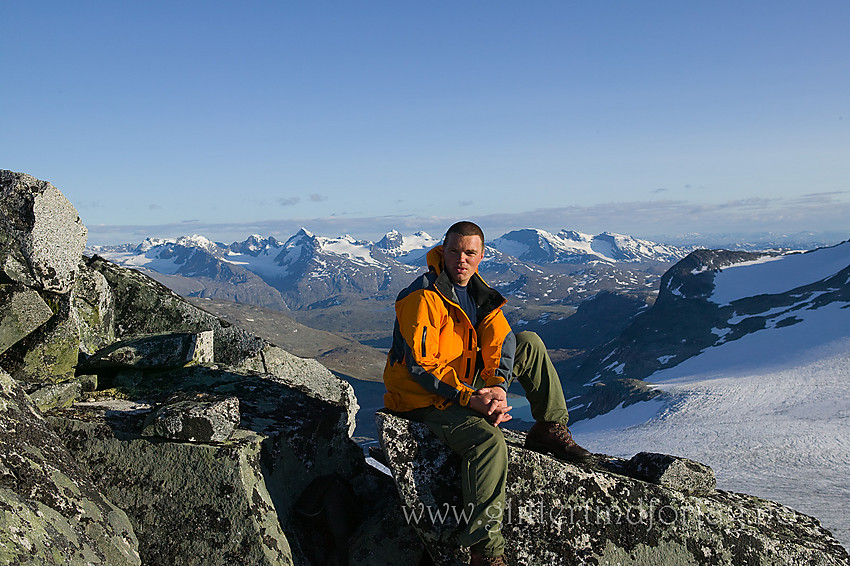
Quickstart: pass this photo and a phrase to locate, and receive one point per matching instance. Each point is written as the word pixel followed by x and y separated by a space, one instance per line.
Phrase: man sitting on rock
pixel 452 359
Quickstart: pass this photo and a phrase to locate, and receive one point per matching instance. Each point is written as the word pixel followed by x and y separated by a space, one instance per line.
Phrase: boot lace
pixel 563 434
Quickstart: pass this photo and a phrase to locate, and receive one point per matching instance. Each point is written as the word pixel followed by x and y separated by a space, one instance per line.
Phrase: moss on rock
pixel 50 353
pixel 190 504
pixel 559 513
pixel 22 310
pixel 51 511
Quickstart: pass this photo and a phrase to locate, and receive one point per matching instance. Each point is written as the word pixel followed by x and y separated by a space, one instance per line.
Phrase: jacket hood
pixel 435 259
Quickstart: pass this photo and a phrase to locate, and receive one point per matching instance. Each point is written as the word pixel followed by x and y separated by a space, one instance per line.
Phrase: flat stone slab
pixel 22 310
pixel 143 307
pixel 56 396
pixel 194 418
pixel 161 351
pixel 673 472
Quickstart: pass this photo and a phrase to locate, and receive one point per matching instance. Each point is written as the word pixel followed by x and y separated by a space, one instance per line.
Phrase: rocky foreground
pixel 139 429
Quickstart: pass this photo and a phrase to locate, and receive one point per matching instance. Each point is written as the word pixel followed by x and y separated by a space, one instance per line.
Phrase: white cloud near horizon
pixel 815 212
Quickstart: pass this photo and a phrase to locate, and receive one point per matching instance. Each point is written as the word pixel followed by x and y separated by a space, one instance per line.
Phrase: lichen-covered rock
pixel 196 417
pixel 50 353
pixel 92 301
pixel 161 351
pixel 50 511
pixel 190 504
pixel 41 235
pixel 87 381
pixel 559 513
pixel 229 500
pixel 303 438
pixel 52 396
pixel 144 307
pixel 22 310
pixel 673 472
pixel 309 376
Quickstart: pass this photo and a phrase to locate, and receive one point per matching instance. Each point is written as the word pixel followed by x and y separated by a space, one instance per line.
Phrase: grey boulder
pixel 198 417
pixel 562 514
pixel 22 310
pixel 176 349
pixel 50 510
pixel 669 471
pixel 50 353
pixel 41 235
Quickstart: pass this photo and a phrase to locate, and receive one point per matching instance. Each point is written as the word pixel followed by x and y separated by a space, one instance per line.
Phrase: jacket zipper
pixel 470 349
pixel 424 334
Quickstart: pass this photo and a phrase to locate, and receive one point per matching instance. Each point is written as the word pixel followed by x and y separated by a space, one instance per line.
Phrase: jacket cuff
pixel 464 395
pixel 491 379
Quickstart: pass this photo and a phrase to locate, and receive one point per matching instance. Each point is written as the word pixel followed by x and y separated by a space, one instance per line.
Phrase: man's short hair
pixel 465 228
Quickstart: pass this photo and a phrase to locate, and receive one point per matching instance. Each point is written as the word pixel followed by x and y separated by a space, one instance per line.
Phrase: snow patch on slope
pixel 778 274
pixel 769 412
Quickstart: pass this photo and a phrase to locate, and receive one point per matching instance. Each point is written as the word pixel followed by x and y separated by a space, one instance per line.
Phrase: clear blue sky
pixel 228 118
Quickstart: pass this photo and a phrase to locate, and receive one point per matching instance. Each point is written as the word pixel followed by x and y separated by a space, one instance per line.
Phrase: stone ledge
pixel 563 514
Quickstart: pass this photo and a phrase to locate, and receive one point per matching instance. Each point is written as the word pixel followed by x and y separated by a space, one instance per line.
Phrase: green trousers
pixel 482 446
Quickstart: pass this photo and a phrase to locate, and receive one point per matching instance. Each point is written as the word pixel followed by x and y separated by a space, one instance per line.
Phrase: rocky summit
pixel 139 429
pixel 652 509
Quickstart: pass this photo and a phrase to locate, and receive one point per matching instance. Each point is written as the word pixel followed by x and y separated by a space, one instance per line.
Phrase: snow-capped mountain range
pixel 307 270
pixel 528 245
pixel 568 246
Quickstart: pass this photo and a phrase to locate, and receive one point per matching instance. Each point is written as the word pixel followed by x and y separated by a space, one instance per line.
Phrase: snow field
pixel 780 431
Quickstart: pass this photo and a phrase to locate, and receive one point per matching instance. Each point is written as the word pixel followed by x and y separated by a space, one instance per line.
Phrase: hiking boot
pixel 477 559
pixel 555 439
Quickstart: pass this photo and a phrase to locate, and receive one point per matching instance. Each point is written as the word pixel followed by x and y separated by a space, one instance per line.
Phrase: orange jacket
pixel 436 350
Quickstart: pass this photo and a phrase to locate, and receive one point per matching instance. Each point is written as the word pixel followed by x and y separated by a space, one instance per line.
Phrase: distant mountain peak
pixel 713 297
pixel 391 240
pixel 254 245
pixel 406 248
pixel 570 246
pixel 574 235
pixel 197 241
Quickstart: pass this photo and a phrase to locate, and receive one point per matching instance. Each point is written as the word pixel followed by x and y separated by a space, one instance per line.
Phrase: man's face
pixel 461 256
